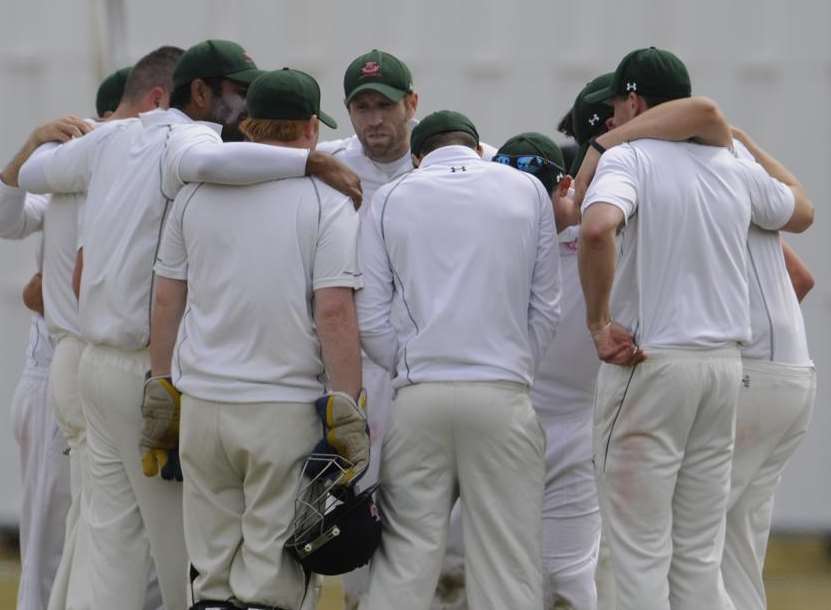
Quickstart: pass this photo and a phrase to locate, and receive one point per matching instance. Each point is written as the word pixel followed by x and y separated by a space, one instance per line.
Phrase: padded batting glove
pixel 345 432
pixel 160 433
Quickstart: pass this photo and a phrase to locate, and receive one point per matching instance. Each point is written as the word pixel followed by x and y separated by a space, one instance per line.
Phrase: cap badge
pixel 631 87
pixel 594 119
pixel 371 68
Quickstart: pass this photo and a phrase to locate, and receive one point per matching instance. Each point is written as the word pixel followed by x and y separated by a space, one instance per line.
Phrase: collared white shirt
pixel 461 272
pixel 681 280
pixel 252 257
pixel 565 377
pixel 775 316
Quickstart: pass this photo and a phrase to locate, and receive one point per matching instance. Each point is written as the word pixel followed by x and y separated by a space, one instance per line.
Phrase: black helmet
pixel 335 529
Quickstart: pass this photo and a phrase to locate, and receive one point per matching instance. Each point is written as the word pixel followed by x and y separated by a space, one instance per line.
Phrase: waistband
pixel 136 361
pixel 692 353
pixel 766 367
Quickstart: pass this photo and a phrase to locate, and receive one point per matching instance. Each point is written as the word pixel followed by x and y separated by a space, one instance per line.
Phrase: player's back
pixel 248 334
pixel 462 236
pixel 682 278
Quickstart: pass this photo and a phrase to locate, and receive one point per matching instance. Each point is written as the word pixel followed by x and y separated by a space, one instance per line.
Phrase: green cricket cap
pixel 215 59
pixel 442 121
pixel 110 91
pixel 653 72
pixel 536 144
pixel 286 95
pixel 589 119
pixel 377 71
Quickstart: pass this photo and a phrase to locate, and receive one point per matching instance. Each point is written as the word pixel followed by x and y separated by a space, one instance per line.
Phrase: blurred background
pixel 510 66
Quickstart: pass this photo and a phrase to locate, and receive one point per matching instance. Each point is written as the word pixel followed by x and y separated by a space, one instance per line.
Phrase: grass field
pixel 797 576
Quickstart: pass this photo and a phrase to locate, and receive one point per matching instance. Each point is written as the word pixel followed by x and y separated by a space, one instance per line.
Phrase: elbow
pixel 802 222
pixel 594 234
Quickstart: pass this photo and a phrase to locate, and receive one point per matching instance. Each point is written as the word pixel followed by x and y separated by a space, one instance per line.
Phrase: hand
pixel 33 294
pixel 616 345
pixel 345 432
pixel 61 130
pixel 585 175
pixel 335 174
pixel 160 433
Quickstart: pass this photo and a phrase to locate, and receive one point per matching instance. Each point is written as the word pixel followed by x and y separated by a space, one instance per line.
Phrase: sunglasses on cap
pixel 530 163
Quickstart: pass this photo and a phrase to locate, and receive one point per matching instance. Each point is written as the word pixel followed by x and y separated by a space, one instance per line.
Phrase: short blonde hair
pixel 257 130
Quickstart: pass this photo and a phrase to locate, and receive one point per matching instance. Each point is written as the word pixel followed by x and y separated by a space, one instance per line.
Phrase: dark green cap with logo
pixel 589 119
pixel 652 72
pixel 286 95
pixel 540 145
pixel 443 121
pixel 215 59
pixel 377 71
pixel 110 91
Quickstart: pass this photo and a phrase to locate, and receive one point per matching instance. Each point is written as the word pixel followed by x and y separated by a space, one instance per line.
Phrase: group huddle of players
pixel 507 350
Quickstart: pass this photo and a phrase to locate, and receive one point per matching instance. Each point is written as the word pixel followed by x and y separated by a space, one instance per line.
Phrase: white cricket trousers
pixel 241 465
pixel 663 445
pixel 131 517
pixel 378 385
pixel 478 441
pixel 775 406
pixel 45 478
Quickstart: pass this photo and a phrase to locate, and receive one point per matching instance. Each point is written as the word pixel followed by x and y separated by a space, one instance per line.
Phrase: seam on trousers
pixel 617 414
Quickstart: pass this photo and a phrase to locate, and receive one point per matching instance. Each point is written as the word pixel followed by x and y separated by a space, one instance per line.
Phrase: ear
pixel 156 97
pixel 479 150
pixel 312 129
pixel 411 104
pixel 565 184
pixel 200 93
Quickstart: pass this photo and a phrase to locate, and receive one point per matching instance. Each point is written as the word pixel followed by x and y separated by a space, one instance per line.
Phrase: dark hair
pixel 566 125
pixel 153 70
pixel 181 94
pixel 652 101
pixel 448 138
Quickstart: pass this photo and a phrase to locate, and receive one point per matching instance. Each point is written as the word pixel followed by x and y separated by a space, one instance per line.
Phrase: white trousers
pixel 241 465
pixel 604 577
pixel 46 495
pixel 480 442
pixel 378 385
pixel 775 406
pixel 663 445
pixel 131 517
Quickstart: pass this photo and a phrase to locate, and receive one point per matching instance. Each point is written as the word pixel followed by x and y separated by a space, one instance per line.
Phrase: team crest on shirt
pixel 371 68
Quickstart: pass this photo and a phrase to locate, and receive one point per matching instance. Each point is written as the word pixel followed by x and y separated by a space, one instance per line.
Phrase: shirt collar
pixel 172 116
pixel 449 154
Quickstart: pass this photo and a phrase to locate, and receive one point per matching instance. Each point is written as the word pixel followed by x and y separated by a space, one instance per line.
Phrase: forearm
pixel 168 308
pixel 340 349
pixel 801 277
pixel 771 165
pixel 696 118
pixel 596 260
pixel 241 163
pixel 33 294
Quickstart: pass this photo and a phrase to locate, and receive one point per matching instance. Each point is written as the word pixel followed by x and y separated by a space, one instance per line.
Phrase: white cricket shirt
pixel 253 257
pixel 461 272
pixel 775 317
pixel 681 279
pixel 565 377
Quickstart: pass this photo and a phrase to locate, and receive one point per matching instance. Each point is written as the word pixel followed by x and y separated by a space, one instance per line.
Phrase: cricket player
pixel 249 385
pixel 462 425
pixel 776 398
pixel 669 335
pixel 44 467
pixel 562 396
pixel 110 92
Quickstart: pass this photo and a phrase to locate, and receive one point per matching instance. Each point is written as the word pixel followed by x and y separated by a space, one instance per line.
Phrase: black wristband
pixel 596 145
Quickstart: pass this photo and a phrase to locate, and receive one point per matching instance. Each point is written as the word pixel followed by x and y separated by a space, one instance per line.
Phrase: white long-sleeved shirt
pixel 461 272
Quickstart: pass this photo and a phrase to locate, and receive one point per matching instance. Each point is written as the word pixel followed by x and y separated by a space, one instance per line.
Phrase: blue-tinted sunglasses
pixel 530 163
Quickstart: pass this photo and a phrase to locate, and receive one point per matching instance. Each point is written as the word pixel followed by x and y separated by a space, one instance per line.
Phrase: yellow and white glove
pixel 345 431
pixel 160 433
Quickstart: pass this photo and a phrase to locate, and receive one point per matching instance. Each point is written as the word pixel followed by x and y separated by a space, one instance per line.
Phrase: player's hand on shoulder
pixel 336 174
pixel 61 130
pixel 616 345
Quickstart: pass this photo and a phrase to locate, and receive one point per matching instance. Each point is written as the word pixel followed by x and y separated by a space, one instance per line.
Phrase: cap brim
pixel 327 120
pixel 391 93
pixel 600 96
pixel 245 76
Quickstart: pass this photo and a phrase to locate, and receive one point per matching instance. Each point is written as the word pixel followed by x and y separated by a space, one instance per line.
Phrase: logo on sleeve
pixel 371 69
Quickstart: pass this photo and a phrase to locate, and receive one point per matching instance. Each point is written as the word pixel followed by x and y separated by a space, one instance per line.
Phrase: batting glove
pixel 160 433
pixel 345 432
